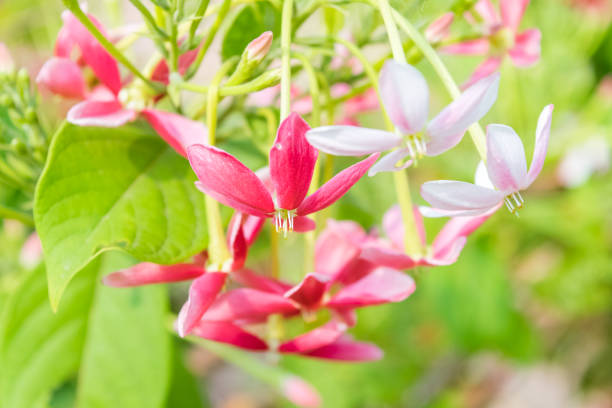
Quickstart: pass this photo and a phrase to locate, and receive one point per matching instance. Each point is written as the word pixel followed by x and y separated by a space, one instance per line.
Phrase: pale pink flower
pixel 439 28
pixel 300 393
pixel 580 162
pixel 6 61
pixel 405 95
pixel 506 168
pixel 31 252
pixel 501 38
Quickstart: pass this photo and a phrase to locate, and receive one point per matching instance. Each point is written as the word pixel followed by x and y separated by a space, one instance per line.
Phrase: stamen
pixel 514 202
pixel 416 146
pixel 283 220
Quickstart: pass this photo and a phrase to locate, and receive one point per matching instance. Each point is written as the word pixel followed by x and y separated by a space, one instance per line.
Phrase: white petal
pixel 459 197
pixel 351 140
pixel 389 162
pixel 541 145
pixel 481 178
pixel 448 127
pixel 505 159
pixel 405 96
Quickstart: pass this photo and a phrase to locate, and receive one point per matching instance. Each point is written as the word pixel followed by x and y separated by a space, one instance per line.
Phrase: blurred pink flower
pixel 292 162
pixel 300 393
pixel 501 38
pixel 439 28
pixel 580 162
pixel 6 61
pixel 506 169
pixel 31 252
pixel 405 95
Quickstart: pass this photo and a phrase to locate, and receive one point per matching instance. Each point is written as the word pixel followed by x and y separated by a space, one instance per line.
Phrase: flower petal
pixel 226 332
pixel 541 145
pixel 202 294
pixel 178 131
pixel 335 188
pixel 309 292
pixel 337 247
pixel 390 162
pixel 347 350
pixel 405 95
pixel 459 198
pixel 300 393
pixel 506 164
pixel 253 280
pixel 486 9
pixel 381 253
pixel 454 231
pixel 161 72
pixel 249 305
pixel 479 46
pixel 439 29
pixel 393 225
pixel 448 127
pixel 512 12
pixel 236 241
pixel 62 76
pixel 292 161
pixel 303 224
pixel 383 285
pixel 314 339
pixel 527 49
pixel 485 69
pixel 147 273
pixel 229 181
pixel 351 140
pixel 100 113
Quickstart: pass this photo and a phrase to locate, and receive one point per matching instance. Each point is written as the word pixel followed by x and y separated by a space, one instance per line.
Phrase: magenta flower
pixel 501 38
pixel 444 250
pixel 112 103
pixel 406 98
pixel 507 171
pixel 292 162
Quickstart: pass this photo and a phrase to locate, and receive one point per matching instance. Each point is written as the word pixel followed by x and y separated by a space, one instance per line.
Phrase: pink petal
pixel 248 304
pixel 300 393
pixel 101 93
pixel 314 339
pixel 309 292
pixel 348 350
pixel 390 161
pixel 383 285
pixel 202 294
pixel 253 280
pixel 226 332
pixel 6 60
pixel 63 77
pixel 351 140
pixel 365 102
pixel 95 56
pixel 251 227
pixel 449 126
pixel 292 161
pixel 303 224
pixel 439 29
pixel 393 225
pixel 335 188
pixel 147 273
pixel 337 247
pixel 460 198
pixel 355 271
pixel 541 145
pixel 506 164
pixel 161 72
pixel 512 12
pixel 381 253
pixel 405 95
pixel 479 46
pixel 527 50
pixel 178 131
pixel 487 68
pixel 455 229
pixel 447 255
pixel 486 9
pixel 236 241
pixel 229 181
pixel 100 113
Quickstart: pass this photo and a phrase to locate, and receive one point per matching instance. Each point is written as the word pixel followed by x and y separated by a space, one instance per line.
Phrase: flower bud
pixel 439 28
pixel 253 54
pixel 259 47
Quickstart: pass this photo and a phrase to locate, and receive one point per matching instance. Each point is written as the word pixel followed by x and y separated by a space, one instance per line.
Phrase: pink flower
pixel 206 285
pixel 406 98
pixel 292 162
pixel 112 103
pixel 580 162
pixel 501 38
pixel 507 171
pixel 439 28
pixel 6 61
pixel 445 249
pixel 300 393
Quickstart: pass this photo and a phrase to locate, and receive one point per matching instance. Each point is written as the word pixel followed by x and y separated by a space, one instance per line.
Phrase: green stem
pixel 412 242
pixel 11 214
pixel 217 247
pixel 210 36
pixel 197 19
pixel 254 85
pixel 287 15
pixel 476 132
pixel 74 7
pixel 149 19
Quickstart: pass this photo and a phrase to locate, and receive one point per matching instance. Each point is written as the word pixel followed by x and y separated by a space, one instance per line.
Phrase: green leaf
pixel 120 188
pixel 112 341
pixel 252 21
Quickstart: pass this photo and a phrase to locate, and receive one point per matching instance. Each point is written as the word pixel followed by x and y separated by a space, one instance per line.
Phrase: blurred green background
pixel 523 319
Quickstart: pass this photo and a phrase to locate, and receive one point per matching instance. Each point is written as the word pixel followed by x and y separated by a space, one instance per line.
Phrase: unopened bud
pixel 439 28
pixel 253 54
pixel 7 65
pixel 259 47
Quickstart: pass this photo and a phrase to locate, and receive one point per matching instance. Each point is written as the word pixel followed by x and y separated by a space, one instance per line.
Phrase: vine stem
pixel 412 241
pixel 285 104
pixel 217 248
pixel 476 132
